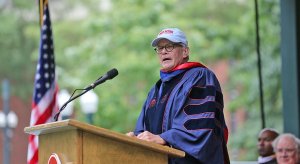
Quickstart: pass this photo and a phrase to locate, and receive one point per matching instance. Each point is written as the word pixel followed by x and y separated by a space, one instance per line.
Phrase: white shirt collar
pixel 265 159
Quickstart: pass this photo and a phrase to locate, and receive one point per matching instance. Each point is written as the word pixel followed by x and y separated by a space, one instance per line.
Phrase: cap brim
pixel 155 41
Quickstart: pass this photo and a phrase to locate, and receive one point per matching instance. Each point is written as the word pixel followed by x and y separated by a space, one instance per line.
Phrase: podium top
pixel 71 124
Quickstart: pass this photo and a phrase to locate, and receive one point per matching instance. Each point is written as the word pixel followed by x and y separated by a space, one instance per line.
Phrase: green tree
pixel 244 81
pixel 16 45
pixel 90 40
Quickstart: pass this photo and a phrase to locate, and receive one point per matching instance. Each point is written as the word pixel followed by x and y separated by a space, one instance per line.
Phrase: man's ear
pixel 186 52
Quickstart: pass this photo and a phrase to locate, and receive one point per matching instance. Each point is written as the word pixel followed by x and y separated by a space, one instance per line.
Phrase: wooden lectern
pixel 80 143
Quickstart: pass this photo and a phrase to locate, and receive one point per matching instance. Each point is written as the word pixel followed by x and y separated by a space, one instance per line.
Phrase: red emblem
pixel 166 32
pixel 54 159
pixel 152 103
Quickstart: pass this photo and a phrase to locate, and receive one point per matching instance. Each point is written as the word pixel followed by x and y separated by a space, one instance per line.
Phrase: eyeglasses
pixel 288 151
pixel 168 47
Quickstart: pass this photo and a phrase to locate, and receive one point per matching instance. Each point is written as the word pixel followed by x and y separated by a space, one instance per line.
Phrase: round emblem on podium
pixel 54 159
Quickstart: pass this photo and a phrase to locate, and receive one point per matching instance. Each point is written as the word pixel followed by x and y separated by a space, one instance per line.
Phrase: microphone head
pixel 112 73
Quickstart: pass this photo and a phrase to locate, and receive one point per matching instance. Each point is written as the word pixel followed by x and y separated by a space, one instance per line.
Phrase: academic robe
pixel 185 107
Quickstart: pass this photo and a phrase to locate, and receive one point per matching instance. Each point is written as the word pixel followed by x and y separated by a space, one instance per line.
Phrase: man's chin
pixel 166 68
pixel 262 153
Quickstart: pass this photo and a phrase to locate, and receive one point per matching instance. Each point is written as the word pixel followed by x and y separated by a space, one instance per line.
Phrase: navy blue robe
pixel 185 107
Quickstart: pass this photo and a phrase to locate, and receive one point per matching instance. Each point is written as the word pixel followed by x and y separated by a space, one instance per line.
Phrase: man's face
pixel 171 55
pixel 286 152
pixel 264 144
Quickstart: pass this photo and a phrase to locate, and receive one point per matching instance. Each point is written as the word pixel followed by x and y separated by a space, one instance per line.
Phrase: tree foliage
pixel 90 40
pixel 244 81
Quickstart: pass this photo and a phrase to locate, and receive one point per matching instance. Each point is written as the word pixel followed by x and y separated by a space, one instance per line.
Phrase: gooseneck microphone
pixel 109 75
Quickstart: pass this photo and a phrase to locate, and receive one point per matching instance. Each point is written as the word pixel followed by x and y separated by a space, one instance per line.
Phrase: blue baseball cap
pixel 174 35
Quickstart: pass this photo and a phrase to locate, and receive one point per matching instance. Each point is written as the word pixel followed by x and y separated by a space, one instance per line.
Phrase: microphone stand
pixel 109 75
pixel 70 99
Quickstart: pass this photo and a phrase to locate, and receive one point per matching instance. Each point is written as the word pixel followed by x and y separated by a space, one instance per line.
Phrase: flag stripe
pixel 43 106
pixel 32 146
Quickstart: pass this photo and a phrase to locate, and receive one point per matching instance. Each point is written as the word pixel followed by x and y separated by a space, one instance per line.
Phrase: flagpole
pixel 41 8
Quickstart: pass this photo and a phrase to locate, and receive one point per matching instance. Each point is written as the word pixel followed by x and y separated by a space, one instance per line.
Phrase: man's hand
pixel 130 134
pixel 147 136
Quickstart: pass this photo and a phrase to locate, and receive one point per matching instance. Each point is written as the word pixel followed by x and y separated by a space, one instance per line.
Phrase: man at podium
pixel 184 109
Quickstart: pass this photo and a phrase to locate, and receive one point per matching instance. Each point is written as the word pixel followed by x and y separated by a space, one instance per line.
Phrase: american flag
pixel 44 103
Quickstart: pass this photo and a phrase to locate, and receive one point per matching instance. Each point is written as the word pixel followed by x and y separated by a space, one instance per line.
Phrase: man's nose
pixel 163 50
pixel 261 142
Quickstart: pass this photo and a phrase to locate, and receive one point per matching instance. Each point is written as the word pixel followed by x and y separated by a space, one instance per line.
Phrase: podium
pixel 81 143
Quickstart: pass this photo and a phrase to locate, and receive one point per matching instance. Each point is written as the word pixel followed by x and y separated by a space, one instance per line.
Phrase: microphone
pixel 109 75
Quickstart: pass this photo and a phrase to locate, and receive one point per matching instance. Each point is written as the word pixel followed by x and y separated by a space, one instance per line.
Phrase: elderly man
pixel 286 149
pixel 264 146
pixel 184 108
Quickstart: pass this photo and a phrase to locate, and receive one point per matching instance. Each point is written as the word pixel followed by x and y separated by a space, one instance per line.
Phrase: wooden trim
pixel 74 124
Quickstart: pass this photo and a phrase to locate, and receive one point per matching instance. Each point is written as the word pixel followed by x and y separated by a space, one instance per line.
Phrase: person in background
pixel 264 146
pixel 184 108
pixel 298 142
pixel 286 147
